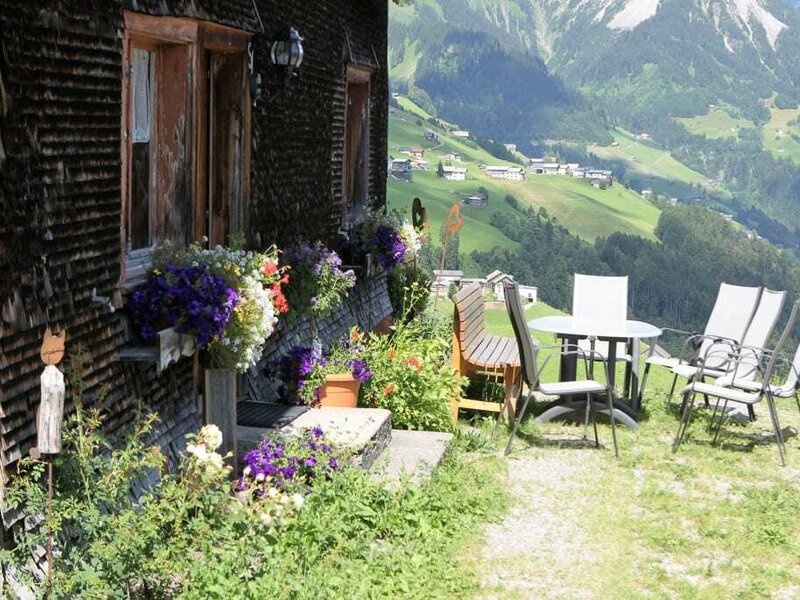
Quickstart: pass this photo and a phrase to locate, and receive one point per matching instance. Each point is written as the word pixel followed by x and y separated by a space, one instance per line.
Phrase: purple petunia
pixel 360 369
pixel 288 464
pixel 389 247
pixel 190 299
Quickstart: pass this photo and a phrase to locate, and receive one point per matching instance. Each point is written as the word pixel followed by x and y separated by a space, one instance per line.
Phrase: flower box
pixel 169 346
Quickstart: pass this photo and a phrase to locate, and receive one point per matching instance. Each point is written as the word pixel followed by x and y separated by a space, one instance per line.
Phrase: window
pixel 356 150
pixel 186 138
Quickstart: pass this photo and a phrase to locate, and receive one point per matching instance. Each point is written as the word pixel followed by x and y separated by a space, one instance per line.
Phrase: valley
pixel 588 212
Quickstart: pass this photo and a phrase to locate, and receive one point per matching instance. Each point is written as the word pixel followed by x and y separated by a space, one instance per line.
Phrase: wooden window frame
pixel 355 74
pixel 151 32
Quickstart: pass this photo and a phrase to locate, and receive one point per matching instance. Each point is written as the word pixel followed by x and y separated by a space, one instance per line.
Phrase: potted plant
pixel 228 299
pixel 383 237
pixel 318 283
pixel 333 379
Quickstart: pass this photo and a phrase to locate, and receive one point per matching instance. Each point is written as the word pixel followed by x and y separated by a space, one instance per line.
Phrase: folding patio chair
pixel 600 298
pixel 528 352
pixel 727 394
pixel 732 313
pixel 755 339
pixel 790 387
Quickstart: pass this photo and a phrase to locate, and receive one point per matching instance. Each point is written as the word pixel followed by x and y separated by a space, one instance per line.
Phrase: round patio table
pixel 570 329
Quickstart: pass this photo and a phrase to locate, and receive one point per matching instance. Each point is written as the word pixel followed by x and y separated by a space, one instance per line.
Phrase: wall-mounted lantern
pixel 287 52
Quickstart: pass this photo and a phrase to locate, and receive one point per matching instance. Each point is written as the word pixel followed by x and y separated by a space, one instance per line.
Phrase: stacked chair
pixel 748 390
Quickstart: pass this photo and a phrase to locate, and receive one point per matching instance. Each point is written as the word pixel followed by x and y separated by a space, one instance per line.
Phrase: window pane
pixel 141 82
pixel 141 130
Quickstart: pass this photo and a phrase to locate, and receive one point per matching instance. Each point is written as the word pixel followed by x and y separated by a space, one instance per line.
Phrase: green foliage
pixel 400 281
pixel 411 372
pixel 187 536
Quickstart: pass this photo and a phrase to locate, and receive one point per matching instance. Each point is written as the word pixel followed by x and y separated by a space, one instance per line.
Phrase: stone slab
pixel 412 453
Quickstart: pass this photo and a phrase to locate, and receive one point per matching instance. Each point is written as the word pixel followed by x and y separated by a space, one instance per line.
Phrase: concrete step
pixel 366 432
pixel 412 453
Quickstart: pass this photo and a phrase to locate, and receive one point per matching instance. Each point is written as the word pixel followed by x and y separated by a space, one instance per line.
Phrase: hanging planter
pixel 340 390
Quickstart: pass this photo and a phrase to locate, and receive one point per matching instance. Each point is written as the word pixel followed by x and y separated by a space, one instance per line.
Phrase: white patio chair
pixel 748 355
pixel 790 387
pixel 730 391
pixel 528 352
pixel 601 299
pixel 733 311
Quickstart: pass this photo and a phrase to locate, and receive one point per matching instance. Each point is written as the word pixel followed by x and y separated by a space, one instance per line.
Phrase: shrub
pixel 411 373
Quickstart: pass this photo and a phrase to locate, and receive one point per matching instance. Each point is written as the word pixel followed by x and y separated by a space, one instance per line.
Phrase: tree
pixel 440 170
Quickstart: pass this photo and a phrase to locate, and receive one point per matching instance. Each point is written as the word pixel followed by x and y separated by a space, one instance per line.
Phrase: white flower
pixel 246 472
pixel 272 493
pixel 260 477
pixel 198 451
pixel 211 436
pixel 267 519
pixel 215 459
pixel 298 500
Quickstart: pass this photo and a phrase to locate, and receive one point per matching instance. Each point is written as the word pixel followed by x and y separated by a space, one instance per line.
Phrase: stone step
pixel 412 453
pixel 366 432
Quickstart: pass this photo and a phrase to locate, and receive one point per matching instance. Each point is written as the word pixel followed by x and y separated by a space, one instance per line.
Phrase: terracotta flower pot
pixel 340 390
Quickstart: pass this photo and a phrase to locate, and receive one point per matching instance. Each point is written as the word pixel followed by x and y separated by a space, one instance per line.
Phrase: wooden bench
pixel 477 352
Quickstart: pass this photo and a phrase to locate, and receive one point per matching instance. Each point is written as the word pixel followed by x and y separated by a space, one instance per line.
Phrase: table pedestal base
pixel 560 408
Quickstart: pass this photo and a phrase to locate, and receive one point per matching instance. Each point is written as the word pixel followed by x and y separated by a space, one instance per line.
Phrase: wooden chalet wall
pixel 60 126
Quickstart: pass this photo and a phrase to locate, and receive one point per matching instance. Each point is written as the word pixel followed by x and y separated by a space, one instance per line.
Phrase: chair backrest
pixel 773 360
pixel 755 338
pixel 528 347
pixel 732 313
pixel 468 323
pixel 600 298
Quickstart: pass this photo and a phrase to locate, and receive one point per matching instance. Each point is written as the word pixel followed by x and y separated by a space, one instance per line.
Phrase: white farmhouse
pixel 515 174
pixel 496 279
pixel 497 172
pixel 455 173
pixel 461 134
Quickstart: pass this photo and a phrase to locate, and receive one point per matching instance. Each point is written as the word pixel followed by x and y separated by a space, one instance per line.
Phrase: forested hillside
pixel 673 280
pixel 469 76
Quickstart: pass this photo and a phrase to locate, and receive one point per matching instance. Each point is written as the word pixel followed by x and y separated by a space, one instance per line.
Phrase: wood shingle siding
pixel 60 179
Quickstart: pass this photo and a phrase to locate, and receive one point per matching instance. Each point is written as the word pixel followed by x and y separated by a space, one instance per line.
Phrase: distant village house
pixel 501 172
pixel 400 168
pixel 455 173
pixel 461 134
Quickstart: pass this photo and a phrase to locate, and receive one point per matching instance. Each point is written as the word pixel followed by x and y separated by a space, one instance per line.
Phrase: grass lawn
pixel 645 158
pixel 715 124
pixel 781 138
pixel 707 522
pixel 588 212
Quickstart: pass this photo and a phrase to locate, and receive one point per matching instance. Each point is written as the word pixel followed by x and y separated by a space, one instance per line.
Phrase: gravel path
pixel 536 549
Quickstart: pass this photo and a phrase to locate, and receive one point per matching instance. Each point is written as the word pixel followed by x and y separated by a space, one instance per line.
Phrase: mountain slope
pixel 477 67
pixel 656 58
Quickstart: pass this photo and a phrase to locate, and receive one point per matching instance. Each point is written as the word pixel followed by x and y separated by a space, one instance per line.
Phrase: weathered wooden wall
pixel 60 123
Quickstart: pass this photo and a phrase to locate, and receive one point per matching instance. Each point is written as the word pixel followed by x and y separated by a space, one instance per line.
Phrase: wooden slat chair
pixel 475 351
